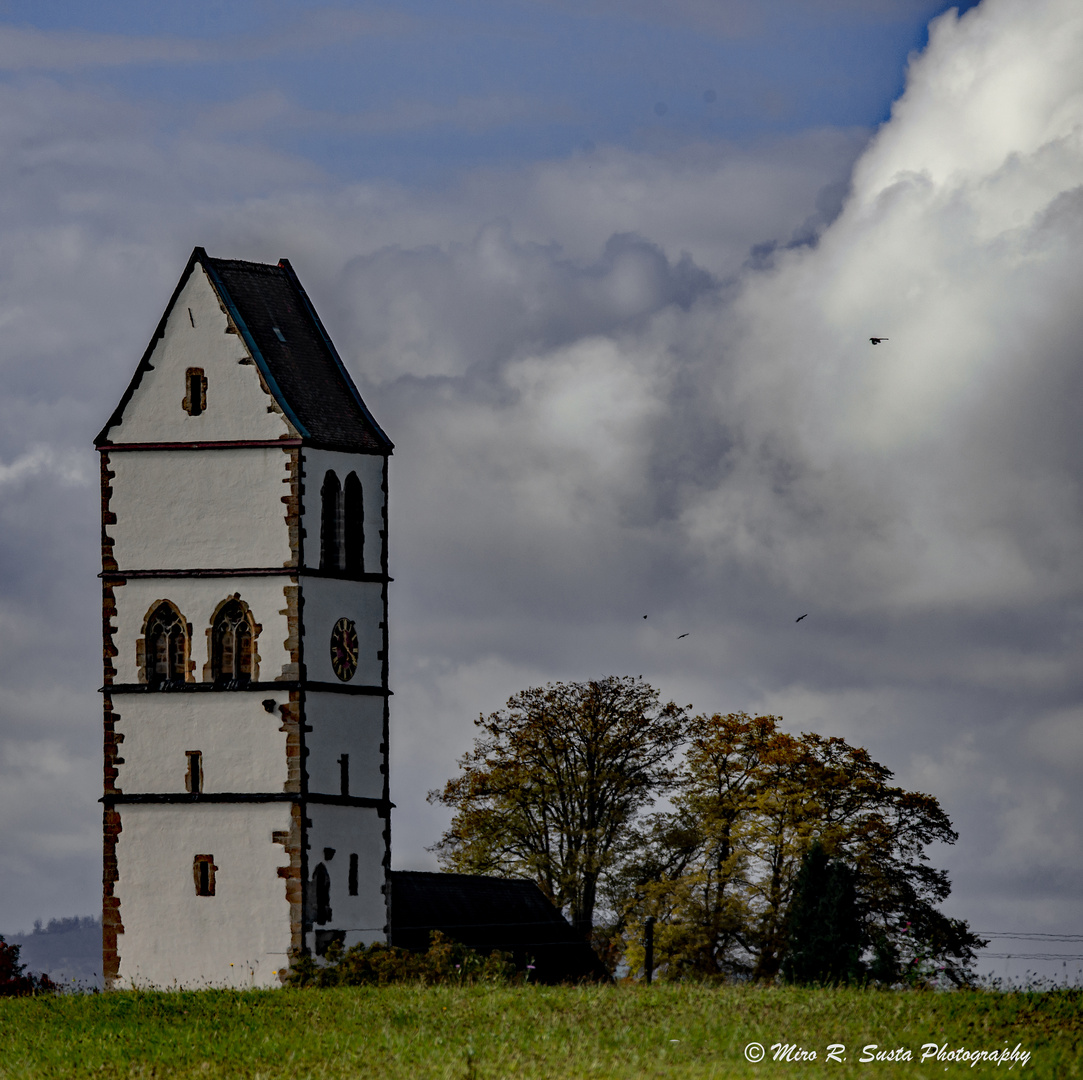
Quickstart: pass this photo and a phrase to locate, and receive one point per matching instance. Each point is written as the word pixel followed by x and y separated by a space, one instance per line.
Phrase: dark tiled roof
pixel 308 377
pixel 487 913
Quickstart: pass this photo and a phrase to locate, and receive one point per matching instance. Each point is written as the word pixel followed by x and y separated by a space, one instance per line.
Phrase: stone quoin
pixel 244 620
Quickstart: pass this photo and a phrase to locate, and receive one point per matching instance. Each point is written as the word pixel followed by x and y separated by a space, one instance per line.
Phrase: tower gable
pixel 276 373
pixel 197 381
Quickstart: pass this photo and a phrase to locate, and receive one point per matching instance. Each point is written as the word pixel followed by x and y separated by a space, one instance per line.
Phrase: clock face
pixel 344 649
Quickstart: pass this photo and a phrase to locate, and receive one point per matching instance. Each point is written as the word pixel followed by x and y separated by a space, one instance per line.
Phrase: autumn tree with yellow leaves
pixel 718 870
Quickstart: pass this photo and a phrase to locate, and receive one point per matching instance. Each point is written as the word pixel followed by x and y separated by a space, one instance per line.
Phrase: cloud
pixel 934 469
pixel 274 110
pixel 736 19
pixel 475 306
pixel 68 468
pixel 25 48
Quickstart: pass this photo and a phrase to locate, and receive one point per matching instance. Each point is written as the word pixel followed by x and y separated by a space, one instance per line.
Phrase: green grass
pixel 495 1032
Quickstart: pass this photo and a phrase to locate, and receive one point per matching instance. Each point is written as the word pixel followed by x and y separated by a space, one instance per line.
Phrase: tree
pixel 550 791
pixel 824 931
pixel 14 981
pixel 719 870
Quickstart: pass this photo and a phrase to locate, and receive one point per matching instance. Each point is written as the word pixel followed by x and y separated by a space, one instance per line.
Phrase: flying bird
pixel 877 340
pixel 644 616
pixel 800 617
pixel 679 636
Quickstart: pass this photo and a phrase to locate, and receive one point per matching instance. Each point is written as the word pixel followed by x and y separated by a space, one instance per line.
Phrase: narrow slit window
pixel 331 523
pixel 195 399
pixel 203 869
pixel 353 875
pixel 344 774
pixel 195 771
pixel 353 507
pixel 321 879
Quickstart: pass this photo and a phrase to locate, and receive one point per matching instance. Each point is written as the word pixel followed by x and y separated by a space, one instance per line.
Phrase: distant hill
pixel 69 950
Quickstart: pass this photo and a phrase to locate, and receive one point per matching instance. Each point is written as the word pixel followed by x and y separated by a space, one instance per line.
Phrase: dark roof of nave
pixel 486 913
pixel 292 350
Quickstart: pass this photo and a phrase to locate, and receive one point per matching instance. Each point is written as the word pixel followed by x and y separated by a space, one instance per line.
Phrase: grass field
pixel 481 1032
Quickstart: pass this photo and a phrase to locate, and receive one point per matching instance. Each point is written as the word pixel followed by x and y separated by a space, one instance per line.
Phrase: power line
pixel 1029 936
pixel 1031 956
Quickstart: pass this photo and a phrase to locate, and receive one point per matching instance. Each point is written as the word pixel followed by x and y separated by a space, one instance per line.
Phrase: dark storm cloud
pixel 470 307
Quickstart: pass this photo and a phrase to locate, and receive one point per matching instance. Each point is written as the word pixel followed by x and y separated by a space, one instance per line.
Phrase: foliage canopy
pixel 720 870
pixel 552 787
pixel 778 853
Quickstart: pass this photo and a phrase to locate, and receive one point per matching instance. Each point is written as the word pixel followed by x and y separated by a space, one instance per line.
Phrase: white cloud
pixel 69 468
pixel 930 469
pixel 741 18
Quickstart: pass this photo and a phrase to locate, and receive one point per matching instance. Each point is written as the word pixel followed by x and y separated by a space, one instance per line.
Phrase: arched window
pixel 321 881
pixel 165 647
pixel 233 654
pixel 331 523
pixel 354 514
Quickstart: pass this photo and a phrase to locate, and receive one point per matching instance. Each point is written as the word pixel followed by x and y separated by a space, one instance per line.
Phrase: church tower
pixel 244 621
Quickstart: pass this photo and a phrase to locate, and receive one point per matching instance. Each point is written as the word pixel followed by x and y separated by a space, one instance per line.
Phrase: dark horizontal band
pixel 184 798
pixel 244 571
pixel 248 444
pixel 177 687
pixel 231 444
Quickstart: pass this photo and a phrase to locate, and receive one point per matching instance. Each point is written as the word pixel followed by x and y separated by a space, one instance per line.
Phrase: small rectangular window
pixel 352 879
pixel 203 869
pixel 194 778
pixel 195 383
pixel 344 774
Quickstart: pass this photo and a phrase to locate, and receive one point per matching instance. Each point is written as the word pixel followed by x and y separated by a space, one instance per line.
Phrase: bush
pixel 14 981
pixel 380 965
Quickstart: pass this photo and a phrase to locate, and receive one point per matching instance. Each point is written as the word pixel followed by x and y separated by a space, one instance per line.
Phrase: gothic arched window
pixel 165 647
pixel 233 652
pixel 354 514
pixel 331 538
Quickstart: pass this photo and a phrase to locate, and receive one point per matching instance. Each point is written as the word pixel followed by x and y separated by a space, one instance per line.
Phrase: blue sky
pixel 417 91
pixel 606 273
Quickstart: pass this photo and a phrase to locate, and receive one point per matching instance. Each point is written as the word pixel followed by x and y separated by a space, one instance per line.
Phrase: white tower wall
pixel 174 937
pixel 201 509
